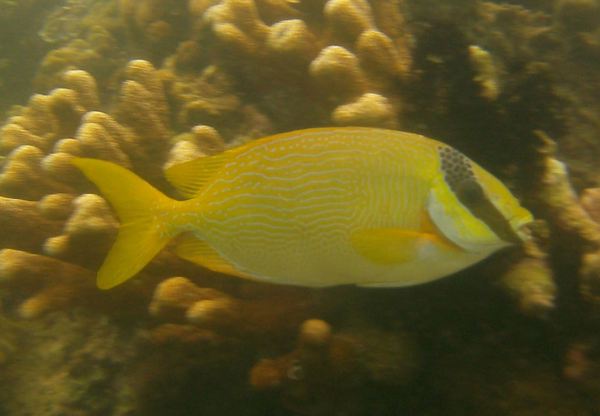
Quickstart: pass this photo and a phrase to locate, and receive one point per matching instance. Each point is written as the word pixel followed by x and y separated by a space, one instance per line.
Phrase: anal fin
pixel 190 248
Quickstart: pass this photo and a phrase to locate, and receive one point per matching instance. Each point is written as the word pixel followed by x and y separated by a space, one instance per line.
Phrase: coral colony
pixel 150 83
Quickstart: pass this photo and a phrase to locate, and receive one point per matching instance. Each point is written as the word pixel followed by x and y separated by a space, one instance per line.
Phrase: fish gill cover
pixel 147 84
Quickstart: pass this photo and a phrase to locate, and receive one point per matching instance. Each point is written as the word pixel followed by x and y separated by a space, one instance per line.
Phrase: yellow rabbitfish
pixel 316 207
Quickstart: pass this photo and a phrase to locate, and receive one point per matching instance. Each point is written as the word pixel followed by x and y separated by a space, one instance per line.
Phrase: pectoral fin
pixel 200 252
pixel 389 246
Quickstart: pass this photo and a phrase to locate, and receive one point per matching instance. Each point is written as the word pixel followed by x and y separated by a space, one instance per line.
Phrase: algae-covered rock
pixel 332 372
pixel 69 365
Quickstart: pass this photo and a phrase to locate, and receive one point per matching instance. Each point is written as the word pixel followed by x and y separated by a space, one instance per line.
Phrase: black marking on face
pixel 459 175
pixel 456 167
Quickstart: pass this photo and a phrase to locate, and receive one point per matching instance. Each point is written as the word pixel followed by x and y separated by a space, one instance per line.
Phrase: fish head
pixel 472 208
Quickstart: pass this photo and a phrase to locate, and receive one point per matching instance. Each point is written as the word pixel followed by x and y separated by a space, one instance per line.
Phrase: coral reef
pixel 353 49
pixel 178 299
pixel 327 372
pixel 64 374
pixel 54 284
pixel 151 83
pixel 559 198
pixel 531 284
pixel 8 340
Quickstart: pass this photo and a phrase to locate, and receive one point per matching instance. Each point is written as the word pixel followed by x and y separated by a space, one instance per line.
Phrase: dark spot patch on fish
pixel 459 176
pixel 456 167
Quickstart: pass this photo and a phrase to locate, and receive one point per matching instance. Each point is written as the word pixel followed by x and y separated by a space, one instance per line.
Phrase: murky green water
pixel 149 84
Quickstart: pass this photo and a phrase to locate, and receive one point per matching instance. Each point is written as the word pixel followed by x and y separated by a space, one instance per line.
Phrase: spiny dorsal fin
pixel 190 177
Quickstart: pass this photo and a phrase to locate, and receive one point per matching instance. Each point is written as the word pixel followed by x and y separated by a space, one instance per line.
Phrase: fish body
pixel 316 207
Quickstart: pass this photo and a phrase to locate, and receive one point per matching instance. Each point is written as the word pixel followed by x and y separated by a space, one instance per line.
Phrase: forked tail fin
pixel 143 212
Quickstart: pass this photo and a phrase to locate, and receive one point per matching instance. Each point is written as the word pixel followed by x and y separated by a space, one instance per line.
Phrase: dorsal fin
pixel 190 177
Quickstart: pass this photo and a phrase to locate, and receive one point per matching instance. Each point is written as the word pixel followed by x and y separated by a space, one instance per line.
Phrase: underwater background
pixel 515 85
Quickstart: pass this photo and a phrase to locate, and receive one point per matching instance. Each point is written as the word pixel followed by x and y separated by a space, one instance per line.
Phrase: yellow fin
pixel 387 245
pixel 190 248
pixel 136 202
pixel 137 243
pixel 393 245
pixel 190 177
pixel 382 285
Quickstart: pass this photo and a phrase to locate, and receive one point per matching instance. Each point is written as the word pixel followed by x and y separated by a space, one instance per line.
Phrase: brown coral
pixel 291 39
pixel 368 110
pixel 348 56
pixel 39 144
pixel 25 224
pixel 560 199
pixel 326 369
pixel 569 215
pixel 590 201
pixel 530 283
pixel 51 284
pixel 90 223
pixel 338 71
pixel 178 298
pixel 235 70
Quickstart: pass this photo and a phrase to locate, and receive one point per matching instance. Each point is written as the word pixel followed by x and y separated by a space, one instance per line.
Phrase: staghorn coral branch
pixel 558 197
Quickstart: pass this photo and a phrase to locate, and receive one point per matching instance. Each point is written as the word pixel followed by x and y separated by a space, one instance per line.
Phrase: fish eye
pixel 470 192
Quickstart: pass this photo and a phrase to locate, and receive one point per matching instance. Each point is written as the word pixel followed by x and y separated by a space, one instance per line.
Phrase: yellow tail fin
pixel 145 229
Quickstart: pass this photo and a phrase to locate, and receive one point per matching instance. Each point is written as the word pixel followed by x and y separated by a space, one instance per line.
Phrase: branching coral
pixel 179 299
pixel 8 341
pixel 590 263
pixel 568 215
pixel 96 52
pixel 25 224
pixel 559 198
pixel 90 223
pixel 337 57
pixel 48 192
pixel 221 72
pixel 590 201
pixel 49 283
pixel 530 282
pixel 485 72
